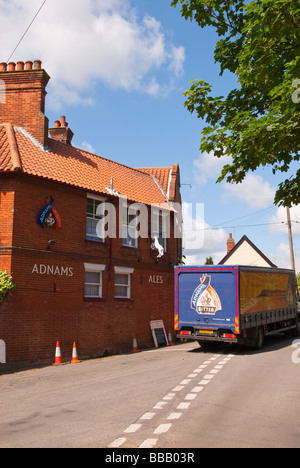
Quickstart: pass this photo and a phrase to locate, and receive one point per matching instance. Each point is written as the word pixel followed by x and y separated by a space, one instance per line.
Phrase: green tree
pixel 209 261
pixel 257 124
pixel 6 284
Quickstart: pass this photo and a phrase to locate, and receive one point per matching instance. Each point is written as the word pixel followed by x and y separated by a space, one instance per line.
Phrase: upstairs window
pixel 160 228
pixel 130 227
pixel 94 224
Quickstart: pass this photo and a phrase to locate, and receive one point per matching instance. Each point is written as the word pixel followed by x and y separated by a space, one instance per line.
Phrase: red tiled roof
pixel 5 158
pixel 76 167
pixel 161 174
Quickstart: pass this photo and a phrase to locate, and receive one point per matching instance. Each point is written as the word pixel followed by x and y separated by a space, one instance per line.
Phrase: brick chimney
pixel 61 131
pixel 23 98
pixel 230 243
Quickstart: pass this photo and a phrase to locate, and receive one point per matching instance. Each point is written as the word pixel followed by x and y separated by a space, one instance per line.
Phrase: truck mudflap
pixel 211 335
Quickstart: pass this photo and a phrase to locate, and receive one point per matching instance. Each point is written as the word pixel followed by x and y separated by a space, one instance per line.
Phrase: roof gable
pixel 248 251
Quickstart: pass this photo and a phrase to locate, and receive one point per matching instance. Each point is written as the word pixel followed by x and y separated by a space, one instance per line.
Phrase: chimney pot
pixel 37 65
pixel 3 67
pixel 11 66
pixel 63 121
pixel 56 124
pixel 28 65
pixel 20 66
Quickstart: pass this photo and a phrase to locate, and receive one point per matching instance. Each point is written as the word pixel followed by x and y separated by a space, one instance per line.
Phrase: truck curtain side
pixel 238 304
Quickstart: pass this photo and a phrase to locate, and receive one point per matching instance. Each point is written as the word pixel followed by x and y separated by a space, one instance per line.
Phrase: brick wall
pixel 7 198
pixel 48 307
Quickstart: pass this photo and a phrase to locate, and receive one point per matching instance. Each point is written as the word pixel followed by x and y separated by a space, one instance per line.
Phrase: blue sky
pixel 118 72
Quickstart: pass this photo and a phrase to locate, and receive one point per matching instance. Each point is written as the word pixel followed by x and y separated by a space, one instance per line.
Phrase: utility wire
pixel 26 31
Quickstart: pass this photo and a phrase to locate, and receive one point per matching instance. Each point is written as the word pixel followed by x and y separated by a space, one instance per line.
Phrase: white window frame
pixel 160 227
pixel 96 219
pixel 93 268
pixel 124 271
pixel 129 226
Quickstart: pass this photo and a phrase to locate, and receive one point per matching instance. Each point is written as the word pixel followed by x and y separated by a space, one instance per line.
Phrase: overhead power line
pixel 239 226
pixel 26 31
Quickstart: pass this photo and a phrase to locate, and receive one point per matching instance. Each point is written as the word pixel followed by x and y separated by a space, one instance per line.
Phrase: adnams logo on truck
pixel 205 299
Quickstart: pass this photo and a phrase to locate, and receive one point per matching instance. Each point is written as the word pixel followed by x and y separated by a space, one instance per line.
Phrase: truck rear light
pixel 184 332
pixel 229 335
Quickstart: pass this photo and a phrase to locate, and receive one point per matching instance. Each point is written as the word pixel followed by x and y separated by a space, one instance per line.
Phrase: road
pixel 175 397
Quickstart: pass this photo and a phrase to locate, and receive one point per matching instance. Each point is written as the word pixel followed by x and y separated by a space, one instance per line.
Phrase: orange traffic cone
pixel 75 359
pixel 170 338
pixel 135 348
pixel 58 354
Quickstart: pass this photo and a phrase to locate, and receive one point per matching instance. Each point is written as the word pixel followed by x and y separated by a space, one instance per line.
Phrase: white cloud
pixel 254 191
pixel 199 240
pixel 282 257
pixel 209 167
pixel 88 147
pixel 82 42
pixel 279 221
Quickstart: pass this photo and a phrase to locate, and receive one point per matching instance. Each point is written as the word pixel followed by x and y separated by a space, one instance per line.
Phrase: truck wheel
pixel 260 338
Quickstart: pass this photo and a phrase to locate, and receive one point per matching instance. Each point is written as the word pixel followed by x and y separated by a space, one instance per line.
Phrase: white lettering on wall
pixel 52 270
pixel 156 279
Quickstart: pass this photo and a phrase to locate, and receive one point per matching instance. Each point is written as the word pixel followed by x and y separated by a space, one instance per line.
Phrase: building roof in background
pixel 246 253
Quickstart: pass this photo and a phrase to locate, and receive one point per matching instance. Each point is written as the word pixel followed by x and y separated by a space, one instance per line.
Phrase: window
pixel 93 280
pixel 123 282
pixel 94 227
pixel 130 224
pixel 160 228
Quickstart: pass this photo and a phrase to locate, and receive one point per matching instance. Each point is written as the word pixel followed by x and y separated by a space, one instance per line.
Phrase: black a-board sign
pixel 159 333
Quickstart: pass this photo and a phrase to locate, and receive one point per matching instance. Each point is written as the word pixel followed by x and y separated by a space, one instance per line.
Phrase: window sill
pixel 95 241
pixel 122 299
pixel 94 299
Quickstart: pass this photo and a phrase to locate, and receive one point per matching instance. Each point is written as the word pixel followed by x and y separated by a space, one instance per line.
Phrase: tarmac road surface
pixel 175 397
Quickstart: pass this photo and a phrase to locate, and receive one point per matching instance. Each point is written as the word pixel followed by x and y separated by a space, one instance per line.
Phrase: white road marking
pixel 191 396
pixel 197 389
pixel 117 443
pixel 185 382
pixel 148 416
pixel 170 396
pixel 174 416
pixel 132 428
pixel 208 377
pixel 160 405
pixel 183 405
pixel 178 388
pixel 162 428
pixel 148 443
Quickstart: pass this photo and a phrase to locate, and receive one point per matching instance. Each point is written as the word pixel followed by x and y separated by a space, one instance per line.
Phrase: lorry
pixel 235 304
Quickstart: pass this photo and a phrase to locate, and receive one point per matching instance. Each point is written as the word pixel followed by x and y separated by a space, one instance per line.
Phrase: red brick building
pixel 57 204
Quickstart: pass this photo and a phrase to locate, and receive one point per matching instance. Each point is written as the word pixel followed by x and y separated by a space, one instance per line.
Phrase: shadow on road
pixel 272 343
